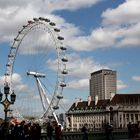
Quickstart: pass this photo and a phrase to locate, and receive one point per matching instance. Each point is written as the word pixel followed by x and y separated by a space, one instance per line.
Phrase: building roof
pixel 117 99
pixel 102 70
pixel 125 98
pixel 84 105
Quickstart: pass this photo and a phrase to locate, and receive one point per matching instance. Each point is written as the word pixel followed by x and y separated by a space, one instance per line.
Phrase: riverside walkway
pixel 117 135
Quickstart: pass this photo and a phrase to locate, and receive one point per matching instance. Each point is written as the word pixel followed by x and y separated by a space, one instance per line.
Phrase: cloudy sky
pixel 98 34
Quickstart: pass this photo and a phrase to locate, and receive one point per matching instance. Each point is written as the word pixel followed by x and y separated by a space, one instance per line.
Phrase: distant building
pixel 118 111
pixel 103 84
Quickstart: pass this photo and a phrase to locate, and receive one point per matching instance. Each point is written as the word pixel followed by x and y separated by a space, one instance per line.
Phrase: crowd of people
pixel 30 131
pixel 133 130
pixel 56 128
pixel 108 128
pixel 22 131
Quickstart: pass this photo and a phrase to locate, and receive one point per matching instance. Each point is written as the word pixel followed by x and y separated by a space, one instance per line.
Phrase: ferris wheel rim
pixel 60 82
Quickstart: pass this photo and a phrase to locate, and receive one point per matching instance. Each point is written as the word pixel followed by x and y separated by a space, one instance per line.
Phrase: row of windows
pixel 89 125
pixel 129 117
pixel 88 118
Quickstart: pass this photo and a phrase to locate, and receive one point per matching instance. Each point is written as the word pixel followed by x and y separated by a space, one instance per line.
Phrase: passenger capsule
pixel 13 47
pixel 59 96
pixel 16 39
pixel 50 117
pixel 19 32
pixel 60 38
pixel 47 20
pixel 41 18
pixel 64 59
pixel 64 72
pixel 24 26
pixel 63 48
pixel 56 107
pixel 7 74
pixel 8 65
pixel 56 30
pixel 30 22
pixel 35 19
pixel 63 84
pixel 52 23
pixel 10 55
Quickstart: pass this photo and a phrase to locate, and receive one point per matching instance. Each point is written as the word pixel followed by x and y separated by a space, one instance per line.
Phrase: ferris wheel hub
pixel 36 74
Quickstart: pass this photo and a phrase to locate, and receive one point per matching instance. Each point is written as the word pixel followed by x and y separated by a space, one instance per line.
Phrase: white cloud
pixel 107 36
pixel 126 32
pixel 121 28
pixel 49 5
pixel 79 84
pixel 54 5
pixel 17 83
pixel 114 33
pixel 82 67
pixel 136 78
pixel 121 85
pixel 78 67
pixel 126 13
pixel 79 70
pixel 9 28
pixel 14 3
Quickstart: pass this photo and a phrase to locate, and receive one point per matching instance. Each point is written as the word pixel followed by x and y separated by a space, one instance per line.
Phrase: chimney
pixel 80 100
pixel 77 101
pixel 96 99
pixel 112 95
pixel 89 100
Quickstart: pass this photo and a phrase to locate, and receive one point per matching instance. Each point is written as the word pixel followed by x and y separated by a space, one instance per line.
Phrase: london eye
pixel 36 69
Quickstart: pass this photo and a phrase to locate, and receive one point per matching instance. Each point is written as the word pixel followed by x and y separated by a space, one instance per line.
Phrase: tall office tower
pixel 103 84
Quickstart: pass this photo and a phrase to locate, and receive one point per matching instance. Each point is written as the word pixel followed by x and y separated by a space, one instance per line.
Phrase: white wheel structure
pixel 36 69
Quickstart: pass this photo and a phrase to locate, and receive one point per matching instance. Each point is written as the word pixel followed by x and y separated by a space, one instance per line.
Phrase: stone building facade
pixel 118 111
pixel 103 84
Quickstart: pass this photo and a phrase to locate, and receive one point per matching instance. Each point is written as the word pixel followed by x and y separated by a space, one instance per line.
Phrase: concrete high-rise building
pixel 103 84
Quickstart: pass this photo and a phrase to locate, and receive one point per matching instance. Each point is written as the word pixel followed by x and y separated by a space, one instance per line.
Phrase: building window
pixel 136 117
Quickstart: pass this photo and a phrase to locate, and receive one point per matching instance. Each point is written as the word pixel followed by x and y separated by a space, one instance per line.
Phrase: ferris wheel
pixel 36 69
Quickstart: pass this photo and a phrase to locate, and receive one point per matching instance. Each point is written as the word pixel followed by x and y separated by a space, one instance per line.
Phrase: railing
pixel 117 134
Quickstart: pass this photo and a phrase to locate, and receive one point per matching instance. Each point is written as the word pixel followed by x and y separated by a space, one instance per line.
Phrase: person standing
pixel 108 131
pixel 49 131
pixel 58 132
pixel 85 132
pixel 130 132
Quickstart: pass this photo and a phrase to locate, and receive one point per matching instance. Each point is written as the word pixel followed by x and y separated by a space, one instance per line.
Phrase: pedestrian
pixel 21 130
pixel 35 131
pixel 85 132
pixel 58 132
pixel 27 131
pixel 130 132
pixel 108 131
pixel 49 131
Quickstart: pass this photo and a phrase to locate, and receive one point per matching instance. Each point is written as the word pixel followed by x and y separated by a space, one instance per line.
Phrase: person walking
pixel 49 131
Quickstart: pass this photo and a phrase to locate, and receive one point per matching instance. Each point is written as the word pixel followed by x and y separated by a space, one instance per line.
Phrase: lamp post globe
pixel 6 89
pixel 13 97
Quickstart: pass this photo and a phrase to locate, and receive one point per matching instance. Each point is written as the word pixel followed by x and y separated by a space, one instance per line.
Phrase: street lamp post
pixel 6 103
